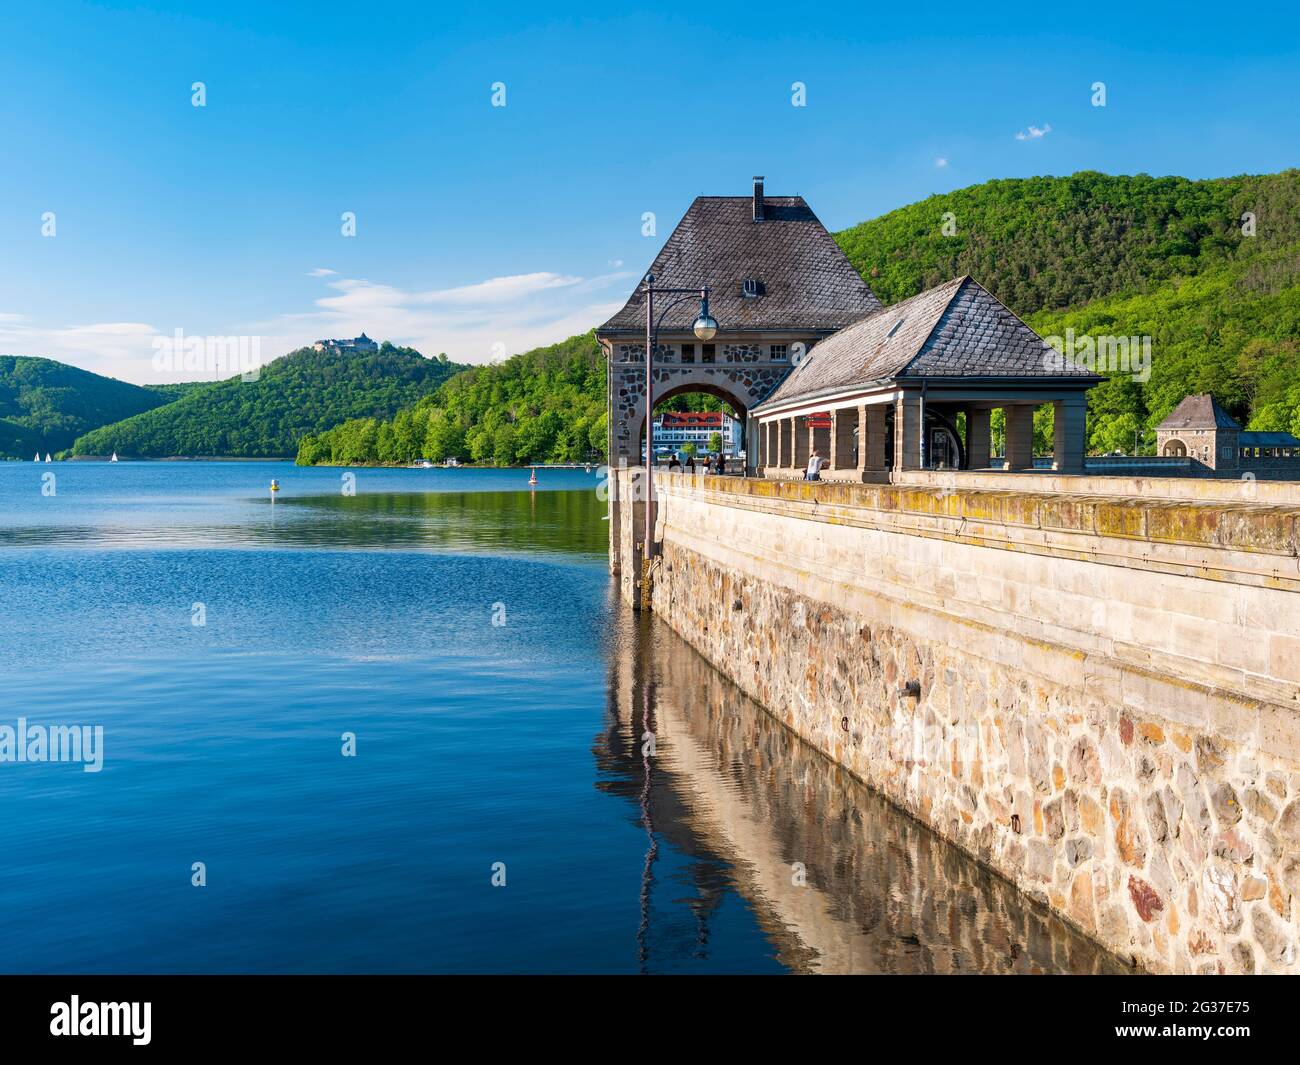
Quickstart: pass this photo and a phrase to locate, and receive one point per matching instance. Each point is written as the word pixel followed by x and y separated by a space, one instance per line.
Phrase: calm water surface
pixel 475 744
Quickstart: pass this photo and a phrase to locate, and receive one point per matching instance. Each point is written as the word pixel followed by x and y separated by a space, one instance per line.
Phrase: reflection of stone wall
pixel 882 892
pixel 1120 739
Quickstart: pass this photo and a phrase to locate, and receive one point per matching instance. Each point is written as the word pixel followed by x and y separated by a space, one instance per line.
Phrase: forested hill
pixel 45 405
pixel 298 394
pixel 545 405
pixel 1048 243
pixel 1209 270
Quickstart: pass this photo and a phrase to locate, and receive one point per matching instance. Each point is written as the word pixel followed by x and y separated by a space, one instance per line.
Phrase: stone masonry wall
pixel 1015 672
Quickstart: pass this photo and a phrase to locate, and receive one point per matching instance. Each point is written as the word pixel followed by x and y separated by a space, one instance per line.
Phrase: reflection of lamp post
pixel 705 327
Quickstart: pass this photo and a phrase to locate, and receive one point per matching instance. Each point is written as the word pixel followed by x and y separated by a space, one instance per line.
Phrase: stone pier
pixel 1091 685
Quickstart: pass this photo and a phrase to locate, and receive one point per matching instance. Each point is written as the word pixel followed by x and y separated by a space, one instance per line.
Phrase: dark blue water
pixel 476 743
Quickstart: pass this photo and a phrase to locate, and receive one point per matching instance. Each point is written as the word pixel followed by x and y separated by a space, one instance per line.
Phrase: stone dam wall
pixel 1096 695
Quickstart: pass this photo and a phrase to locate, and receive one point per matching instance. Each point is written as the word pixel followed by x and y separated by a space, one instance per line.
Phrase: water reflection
pixel 496 522
pixel 728 785
pixel 372 613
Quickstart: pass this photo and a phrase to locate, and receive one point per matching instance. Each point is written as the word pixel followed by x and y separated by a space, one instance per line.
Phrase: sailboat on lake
pixel 114 458
pixel 37 458
pixel 47 457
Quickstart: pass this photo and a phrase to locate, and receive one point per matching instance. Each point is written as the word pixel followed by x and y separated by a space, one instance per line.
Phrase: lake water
pixel 226 645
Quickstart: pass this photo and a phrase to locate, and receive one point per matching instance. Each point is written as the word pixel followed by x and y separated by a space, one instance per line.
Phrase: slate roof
pixel 1254 438
pixel 808 282
pixel 691 419
pixel 1199 412
pixel 955 330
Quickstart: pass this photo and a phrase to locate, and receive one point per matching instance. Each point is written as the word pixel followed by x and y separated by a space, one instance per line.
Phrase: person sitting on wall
pixel 815 464
pixel 673 462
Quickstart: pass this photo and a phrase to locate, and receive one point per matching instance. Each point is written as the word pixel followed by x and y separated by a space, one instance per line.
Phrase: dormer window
pixel 751 288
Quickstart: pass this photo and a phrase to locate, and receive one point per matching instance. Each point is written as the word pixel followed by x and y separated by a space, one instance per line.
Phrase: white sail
pixel 114 458
pixel 37 458
pixel 47 457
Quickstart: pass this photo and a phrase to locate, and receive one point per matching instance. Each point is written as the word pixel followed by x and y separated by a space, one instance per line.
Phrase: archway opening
pixel 697 425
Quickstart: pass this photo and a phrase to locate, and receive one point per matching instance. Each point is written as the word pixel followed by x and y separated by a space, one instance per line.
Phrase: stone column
pixel 979 438
pixel 872 437
pixel 802 441
pixel 1020 436
pixel 907 432
pixel 843 422
pixel 1070 434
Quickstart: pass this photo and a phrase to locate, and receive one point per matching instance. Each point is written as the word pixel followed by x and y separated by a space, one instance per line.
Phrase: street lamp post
pixel 706 328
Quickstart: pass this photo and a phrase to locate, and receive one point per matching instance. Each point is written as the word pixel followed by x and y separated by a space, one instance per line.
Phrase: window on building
pixel 688 353
pixel 777 352
pixel 707 352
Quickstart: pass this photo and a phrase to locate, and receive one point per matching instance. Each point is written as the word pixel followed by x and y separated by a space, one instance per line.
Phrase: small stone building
pixel 894 383
pixel 1199 429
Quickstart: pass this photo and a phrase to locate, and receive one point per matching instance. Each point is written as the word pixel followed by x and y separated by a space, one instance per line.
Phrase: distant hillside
pixel 177 389
pixel 545 405
pixel 1048 243
pixel 45 405
pixel 301 393
pixel 1164 258
pixel 1232 330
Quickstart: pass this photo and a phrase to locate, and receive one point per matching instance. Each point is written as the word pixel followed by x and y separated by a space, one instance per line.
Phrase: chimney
pixel 758 197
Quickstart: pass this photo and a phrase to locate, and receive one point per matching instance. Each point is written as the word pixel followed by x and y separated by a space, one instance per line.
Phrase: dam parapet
pixel 1091 684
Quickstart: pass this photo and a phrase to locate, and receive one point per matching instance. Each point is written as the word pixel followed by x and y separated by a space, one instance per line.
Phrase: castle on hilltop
pixel 361 343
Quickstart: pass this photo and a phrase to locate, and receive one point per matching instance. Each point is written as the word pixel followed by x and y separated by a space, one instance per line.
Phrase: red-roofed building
pixel 674 429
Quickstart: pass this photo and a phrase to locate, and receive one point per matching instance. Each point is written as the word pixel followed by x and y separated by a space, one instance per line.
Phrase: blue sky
pixel 482 231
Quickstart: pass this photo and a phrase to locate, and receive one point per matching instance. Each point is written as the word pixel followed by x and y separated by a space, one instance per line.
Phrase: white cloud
pixel 116 349
pixel 941 162
pixel 476 322
pixel 499 290
pixel 321 271
pixel 1034 133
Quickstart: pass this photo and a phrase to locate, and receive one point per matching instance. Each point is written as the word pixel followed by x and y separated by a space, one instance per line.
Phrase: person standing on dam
pixel 815 464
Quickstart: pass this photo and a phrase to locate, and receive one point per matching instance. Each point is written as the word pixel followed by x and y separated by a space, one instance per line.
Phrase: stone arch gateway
pixel 778 284
pixel 742 386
